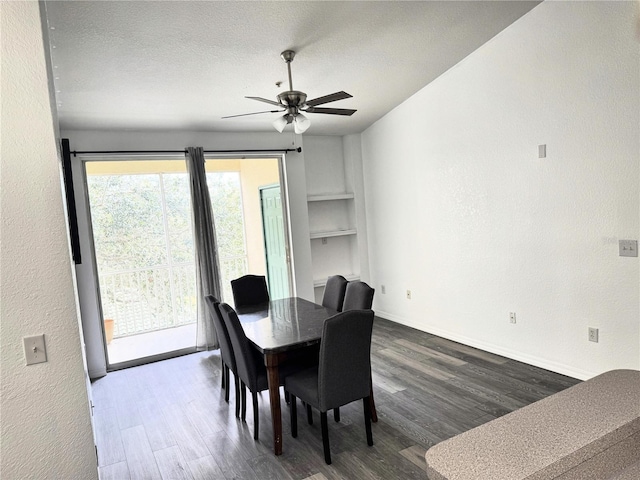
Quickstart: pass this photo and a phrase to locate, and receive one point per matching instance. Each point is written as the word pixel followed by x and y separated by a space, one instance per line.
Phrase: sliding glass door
pixel 140 216
pixel 144 257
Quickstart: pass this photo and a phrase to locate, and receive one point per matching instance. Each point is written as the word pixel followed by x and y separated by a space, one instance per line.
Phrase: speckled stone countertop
pixel 548 438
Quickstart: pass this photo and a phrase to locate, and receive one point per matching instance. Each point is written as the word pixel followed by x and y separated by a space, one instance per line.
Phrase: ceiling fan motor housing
pixel 292 98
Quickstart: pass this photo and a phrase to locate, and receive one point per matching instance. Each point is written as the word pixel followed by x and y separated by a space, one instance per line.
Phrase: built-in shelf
pixel 332 215
pixel 324 198
pixel 333 233
pixel 323 281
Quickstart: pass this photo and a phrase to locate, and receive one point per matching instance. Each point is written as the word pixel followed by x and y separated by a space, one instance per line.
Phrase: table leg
pixel 273 376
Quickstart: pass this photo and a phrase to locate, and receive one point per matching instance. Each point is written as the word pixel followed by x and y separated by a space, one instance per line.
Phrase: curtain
pixel 206 254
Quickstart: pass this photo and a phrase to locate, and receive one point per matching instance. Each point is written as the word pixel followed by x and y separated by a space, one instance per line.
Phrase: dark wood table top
pixel 283 325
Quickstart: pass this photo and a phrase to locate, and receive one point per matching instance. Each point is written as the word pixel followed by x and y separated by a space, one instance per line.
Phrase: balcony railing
pixel 149 299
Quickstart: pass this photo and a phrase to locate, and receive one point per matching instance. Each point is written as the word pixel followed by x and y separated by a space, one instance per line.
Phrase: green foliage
pixel 140 222
pixel 226 203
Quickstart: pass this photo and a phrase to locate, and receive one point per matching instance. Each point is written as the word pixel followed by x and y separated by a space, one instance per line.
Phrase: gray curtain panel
pixel 206 253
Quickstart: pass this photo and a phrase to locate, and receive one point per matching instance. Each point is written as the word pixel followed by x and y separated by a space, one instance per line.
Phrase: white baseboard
pixel 498 350
pixel 97 373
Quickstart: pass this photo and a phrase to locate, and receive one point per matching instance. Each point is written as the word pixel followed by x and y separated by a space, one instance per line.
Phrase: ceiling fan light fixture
pixel 300 123
pixel 281 122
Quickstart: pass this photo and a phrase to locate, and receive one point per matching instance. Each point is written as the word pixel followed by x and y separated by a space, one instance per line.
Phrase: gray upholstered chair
pixel 250 364
pixel 249 290
pixel 358 296
pixel 343 374
pixel 334 290
pixel 226 350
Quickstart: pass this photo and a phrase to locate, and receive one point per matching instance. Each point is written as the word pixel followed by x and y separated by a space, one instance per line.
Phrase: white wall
pixel 461 210
pixel 46 427
pixel 324 165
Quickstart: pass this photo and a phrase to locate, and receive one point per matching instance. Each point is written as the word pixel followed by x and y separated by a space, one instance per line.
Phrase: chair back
pixel 358 296
pixel 334 292
pixel 249 290
pixel 344 371
pixel 245 364
pixel 226 349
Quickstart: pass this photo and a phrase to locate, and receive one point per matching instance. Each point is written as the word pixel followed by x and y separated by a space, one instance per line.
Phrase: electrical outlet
pixel 593 334
pixel 512 317
pixel 34 350
pixel 408 294
pixel 324 240
pixel 628 248
pixel 383 289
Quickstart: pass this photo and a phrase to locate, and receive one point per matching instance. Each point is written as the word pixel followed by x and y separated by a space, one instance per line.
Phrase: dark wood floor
pixel 169 420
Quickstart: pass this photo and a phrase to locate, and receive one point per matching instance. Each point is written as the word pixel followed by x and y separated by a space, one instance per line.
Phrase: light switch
pixel 542 151
pixel 628 248
pixel 34 350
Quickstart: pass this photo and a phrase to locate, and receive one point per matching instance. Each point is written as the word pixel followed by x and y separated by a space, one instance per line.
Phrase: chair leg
pixel 367 419
pixel 225 379
pixel 374 413
pixel 222 382
pixel 237 384
pixel 256 416
pixel 243 393
pixel 336 414
pixel 309 415
pixel 294 416
pixel 325 437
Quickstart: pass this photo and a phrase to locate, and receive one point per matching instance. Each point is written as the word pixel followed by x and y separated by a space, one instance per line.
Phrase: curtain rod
pixel 281 150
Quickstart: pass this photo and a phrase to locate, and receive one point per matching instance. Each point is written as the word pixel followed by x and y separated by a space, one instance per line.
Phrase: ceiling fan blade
pixel 254 113
pixel 265 100
pixel 328 98
pixel 331 111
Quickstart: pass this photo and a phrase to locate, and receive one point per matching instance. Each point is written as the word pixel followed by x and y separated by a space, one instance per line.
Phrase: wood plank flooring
pixel 169 420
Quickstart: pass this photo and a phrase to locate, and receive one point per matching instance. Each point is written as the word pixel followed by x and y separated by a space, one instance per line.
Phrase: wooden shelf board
pixel 334 196
pixel 333 233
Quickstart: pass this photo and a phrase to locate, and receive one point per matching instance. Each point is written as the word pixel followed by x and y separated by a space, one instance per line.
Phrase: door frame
pixel 94 321
pixel 88 289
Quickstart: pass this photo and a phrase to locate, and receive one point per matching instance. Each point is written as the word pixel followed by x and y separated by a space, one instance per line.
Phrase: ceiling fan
pixel 294 102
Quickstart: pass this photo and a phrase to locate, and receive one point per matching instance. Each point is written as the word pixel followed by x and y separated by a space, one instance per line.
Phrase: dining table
pixel 278 328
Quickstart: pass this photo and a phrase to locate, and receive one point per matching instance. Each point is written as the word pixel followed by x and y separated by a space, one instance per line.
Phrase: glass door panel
pixel 144 255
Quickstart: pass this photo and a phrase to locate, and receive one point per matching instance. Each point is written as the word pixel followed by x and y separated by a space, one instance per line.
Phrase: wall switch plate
pixel 408 294
pixel 628 248
pixel 34 350
pixel 542 151
pixel 512 317
pixel 593 334
pixel 383 289
pixel 324 240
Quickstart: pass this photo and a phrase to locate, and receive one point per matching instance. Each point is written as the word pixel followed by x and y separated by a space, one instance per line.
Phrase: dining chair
pixel 334 290
pixel 249 290
pixel 343 372
pixel 358 296
pixel 226 350
pixel 250 365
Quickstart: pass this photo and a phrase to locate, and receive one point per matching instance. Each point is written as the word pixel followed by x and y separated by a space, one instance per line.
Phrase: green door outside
pixel 275 245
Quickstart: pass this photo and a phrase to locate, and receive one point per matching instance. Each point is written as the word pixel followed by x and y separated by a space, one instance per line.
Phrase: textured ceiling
pixel 153 65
